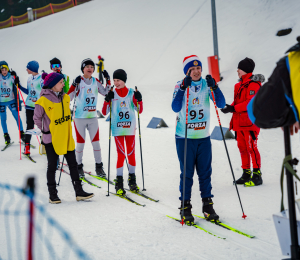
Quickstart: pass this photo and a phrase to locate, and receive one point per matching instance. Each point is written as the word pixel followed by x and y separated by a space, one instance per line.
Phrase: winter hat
pixel 3 64
pixel 33 66
pixel 52 79
pixel 99 57
pixel 191 61
pixel 120 74
pixel 55 61
pixel 86 62
pixel 246 65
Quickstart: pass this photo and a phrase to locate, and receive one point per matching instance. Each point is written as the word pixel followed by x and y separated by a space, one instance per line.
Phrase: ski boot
pixel 80 193
pixel 27 149
pixel 187 212
pixel 132 183
pixel 245 177
pixel 255 180
pixel 7 138
pixel 53 198
pixel 208 210
pixel 22 136
pixel 119 186
pixel 99 170
pixel 80 170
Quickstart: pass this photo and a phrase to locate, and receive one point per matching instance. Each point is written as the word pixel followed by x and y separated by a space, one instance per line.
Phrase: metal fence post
pixel 30 14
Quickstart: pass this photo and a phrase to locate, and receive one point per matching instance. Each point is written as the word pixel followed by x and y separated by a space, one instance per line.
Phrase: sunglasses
pixel 55 66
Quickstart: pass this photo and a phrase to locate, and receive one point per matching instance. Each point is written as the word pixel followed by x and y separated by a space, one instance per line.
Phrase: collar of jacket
pixel 246 77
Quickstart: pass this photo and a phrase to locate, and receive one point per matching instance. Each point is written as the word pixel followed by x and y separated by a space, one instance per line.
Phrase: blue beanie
pixel 191 61
pixel 33 66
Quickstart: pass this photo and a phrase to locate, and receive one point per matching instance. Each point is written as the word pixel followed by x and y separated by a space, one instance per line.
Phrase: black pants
pixel 30 124
pixel 52 158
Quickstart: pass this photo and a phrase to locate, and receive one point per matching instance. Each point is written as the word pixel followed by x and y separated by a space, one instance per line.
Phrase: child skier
pixel 9 99
pixel 55 66
pixel 53 117
pixel 123 124
pixel 199 153
pixel 86 89
pixel 33 90
pixel 246 131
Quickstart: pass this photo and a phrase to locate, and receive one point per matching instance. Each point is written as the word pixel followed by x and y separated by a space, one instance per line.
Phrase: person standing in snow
pixel 246 132
pixel 8 98
pixel 199 152
pixel 52 115
pixel 124 102
pixel 33 90
pixel 55 66
pixel 100 68
pixel 85 89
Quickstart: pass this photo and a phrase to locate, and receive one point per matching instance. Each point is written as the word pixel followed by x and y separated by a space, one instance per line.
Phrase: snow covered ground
pixel 149 39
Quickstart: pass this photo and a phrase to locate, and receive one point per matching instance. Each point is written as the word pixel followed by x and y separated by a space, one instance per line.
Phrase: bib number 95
pixel 194 113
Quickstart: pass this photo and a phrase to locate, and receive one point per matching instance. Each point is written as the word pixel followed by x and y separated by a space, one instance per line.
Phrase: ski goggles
pixel 53 66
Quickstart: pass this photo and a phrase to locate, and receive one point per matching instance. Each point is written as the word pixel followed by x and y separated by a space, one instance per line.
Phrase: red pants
pixel 248 148
pixel 130 147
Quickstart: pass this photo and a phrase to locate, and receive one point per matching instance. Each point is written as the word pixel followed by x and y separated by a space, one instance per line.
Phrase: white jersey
pixel 34 86
pixel 123 120
pixel 86 101
pixel 198 112
pixel 6 88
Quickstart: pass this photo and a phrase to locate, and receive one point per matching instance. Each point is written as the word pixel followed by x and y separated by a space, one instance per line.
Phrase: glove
pixel 186 82
pixel 228 109
pixel 211 83
pixel 44 75
pixel 77 80
pixel 138 96
pixel 110 95
pixel 106 75
pixel 13 73
pixel 17 80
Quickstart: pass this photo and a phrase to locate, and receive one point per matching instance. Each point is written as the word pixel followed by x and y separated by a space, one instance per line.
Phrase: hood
pixel 50 95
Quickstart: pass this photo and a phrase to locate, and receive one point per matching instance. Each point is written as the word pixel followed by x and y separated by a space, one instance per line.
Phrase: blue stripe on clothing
pixel 250 111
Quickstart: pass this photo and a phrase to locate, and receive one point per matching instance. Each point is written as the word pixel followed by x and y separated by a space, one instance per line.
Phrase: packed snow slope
pixel 149 39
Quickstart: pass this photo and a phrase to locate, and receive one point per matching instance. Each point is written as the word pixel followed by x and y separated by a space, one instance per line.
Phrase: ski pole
pixel 109 142
pixel 185 149
pixel 62 165
pixel 140 137
pixel 213 96
pixel 24 105
pixel 19 119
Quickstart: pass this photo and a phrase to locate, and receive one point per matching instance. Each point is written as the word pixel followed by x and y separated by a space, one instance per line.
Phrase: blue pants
pixel 14 110
pixel 199 156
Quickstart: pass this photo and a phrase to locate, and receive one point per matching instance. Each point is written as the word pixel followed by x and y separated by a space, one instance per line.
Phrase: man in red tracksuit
pixel 246 131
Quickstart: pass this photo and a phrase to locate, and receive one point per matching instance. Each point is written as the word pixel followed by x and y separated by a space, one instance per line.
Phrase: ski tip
pixel 244 216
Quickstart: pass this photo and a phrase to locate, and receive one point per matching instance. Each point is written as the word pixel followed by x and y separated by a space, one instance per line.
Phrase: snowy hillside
pixel 149 39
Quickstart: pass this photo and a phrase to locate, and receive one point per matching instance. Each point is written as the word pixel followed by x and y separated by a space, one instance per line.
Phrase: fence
pixel 40 12
pixel 28 232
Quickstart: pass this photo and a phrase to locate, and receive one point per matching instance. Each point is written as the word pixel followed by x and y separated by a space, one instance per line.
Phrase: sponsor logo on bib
pixel 124 124
pixel 90 108
pixel 123 104
pixel 196 101
pixel 89 91
pixel 197 126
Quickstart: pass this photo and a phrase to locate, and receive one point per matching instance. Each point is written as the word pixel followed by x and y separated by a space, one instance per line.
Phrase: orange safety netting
pixel 40 12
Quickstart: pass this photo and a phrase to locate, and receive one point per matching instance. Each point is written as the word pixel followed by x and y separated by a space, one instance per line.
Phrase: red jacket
pixel 244 91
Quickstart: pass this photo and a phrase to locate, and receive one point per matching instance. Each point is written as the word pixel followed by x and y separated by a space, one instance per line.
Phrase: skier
pixel 86 114
pixel 100 68
pixel 33 90
pixel 53 117
pixel 55 66
pixel 123 124
pixel 9 99
pixel 277 103
pixel 246 132
pixel 199 153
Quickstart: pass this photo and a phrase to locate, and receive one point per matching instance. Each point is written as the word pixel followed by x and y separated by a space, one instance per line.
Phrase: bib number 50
pixel 193 114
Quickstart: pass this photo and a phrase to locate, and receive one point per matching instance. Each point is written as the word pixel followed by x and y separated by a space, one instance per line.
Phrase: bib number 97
pixel 193 114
